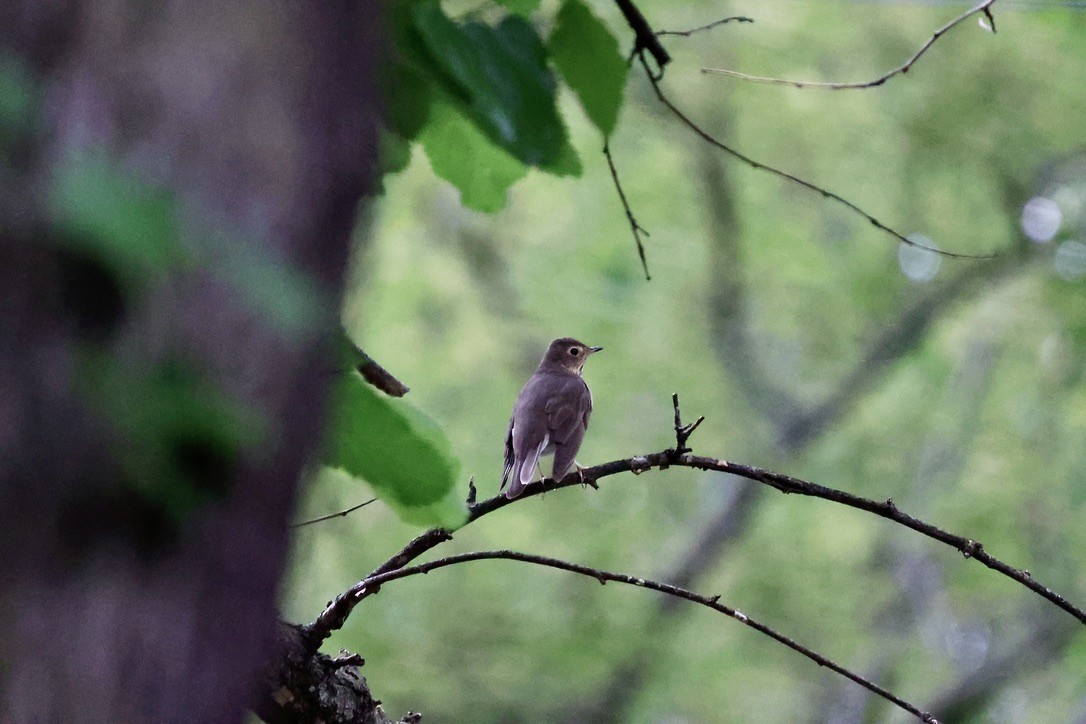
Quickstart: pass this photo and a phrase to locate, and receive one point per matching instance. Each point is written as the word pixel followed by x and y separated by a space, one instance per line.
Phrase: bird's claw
pixel 586 482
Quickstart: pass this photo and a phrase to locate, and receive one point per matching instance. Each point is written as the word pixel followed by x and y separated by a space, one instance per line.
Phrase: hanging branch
pixel 335 614
pixel 759 166
pixel 635 227
pixel 713 602
pixel 983 8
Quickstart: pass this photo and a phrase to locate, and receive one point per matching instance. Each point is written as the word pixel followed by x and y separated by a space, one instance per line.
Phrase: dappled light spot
pixel 1070 260
pixel 1041 219
pixel 919 264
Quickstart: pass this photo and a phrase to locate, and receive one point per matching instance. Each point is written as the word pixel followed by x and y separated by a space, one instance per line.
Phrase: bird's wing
pixel 568 422
pixel 510 458
pixel 587 404
pixel 566 409
pixel 528 435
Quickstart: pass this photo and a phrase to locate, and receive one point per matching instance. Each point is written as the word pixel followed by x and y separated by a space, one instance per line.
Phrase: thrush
pixel 550 416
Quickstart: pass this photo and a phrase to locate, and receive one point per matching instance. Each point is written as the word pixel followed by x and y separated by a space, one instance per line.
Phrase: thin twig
pixel 683 432
pixel 703 28
pixel 759 166
pixel 635 227
pixel 330 516
pixel 984 8
pixel 603 577
pixel 335 614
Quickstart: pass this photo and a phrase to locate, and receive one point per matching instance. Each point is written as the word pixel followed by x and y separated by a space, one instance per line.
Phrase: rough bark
pixel 308 686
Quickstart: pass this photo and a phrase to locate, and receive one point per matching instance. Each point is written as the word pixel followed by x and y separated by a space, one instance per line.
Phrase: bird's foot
pixel 586 481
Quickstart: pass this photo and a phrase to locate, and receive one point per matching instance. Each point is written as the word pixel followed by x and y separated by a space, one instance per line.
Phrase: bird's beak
pixel 594 349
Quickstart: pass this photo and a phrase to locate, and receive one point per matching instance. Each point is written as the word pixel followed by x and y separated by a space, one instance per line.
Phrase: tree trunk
pixel 260 118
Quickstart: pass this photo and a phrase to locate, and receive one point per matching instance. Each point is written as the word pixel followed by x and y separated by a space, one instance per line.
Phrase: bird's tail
pixel 515 487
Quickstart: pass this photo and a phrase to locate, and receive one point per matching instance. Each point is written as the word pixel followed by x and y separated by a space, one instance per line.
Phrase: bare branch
pixel 379 377
pixel 759 166
pixel 335 614
pixel 683 432
pixel 339 514
pixel 635 227
pixel 983 8
pixel 603 577
pixel 704 28
pixel 644 37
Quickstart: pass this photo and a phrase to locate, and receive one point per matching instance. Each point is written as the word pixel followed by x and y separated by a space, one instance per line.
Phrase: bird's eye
pixel 574 351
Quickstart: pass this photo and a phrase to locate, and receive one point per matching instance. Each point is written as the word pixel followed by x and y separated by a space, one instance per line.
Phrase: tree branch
pixel 713 602
pixel 644 37
pixel 635 227
pixel 335 614
pixel 708 26
pixel 379 377
pixel 654 80
pixel 983 8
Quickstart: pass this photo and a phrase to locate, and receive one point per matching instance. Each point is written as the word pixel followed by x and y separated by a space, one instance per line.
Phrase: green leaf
pixel 501 75
pixel 568 163
pixel 395 152
pixel 399 451
pixel 407 97
pixel 587 55
pixel 463 156
pixel 348 356
pixel 520 7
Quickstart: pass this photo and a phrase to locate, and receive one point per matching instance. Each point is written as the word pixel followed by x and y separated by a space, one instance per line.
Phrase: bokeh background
pixel 813 345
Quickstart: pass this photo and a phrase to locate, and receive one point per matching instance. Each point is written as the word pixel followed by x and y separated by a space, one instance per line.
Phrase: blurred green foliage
pixel 176 435
pixel 977 425
pixel 127 225
pixel 18 103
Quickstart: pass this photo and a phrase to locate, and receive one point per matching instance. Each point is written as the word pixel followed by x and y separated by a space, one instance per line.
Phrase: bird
pixel 550 416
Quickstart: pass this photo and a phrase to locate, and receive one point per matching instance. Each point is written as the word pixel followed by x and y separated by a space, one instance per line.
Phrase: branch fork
pixel 682 432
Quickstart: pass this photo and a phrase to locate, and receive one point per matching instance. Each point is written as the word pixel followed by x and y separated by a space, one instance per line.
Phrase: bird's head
pixel 567 353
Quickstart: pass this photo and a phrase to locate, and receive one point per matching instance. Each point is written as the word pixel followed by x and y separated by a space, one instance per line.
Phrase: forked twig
pixel 984 8
pixel 706 27
pixel 654 80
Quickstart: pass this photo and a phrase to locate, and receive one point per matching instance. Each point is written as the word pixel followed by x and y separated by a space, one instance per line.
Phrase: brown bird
pixel 550 415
